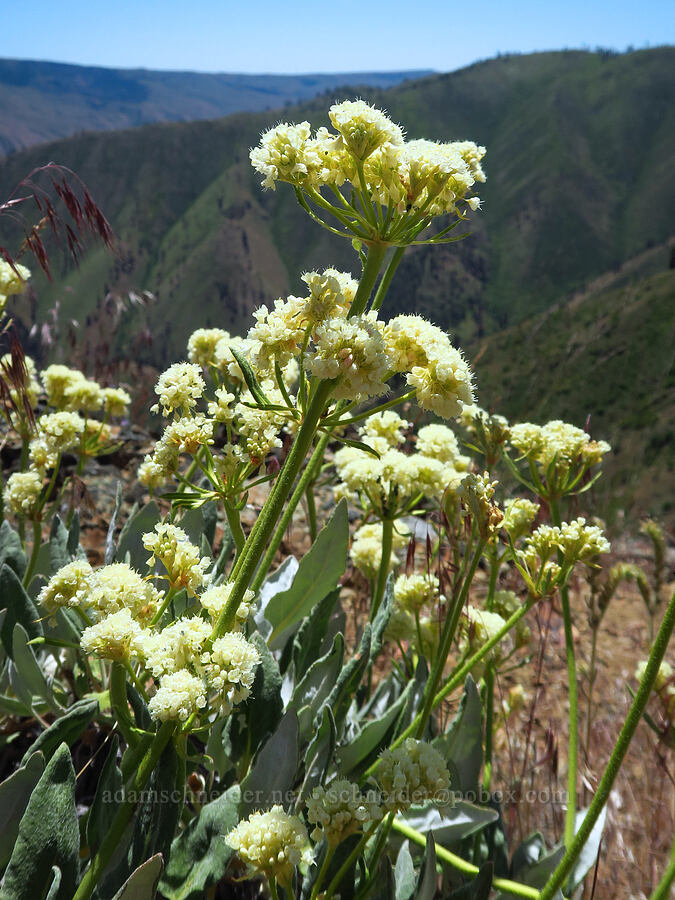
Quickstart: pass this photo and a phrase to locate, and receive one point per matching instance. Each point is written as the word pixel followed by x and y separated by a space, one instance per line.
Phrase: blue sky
pixel 320 36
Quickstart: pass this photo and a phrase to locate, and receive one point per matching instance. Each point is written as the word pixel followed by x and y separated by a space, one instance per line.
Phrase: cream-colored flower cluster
pixel 392 484
pixel 273 842
pixel 366 547
pixel 22 492
pixel 124 615
pixel 12 281
pixel 414 617
pixel 557 444
pixel 478 502
pixel 412 773
pixel 519 514
pixel 480 626
pixel 339 810
pixel 185 566
pixel 369 150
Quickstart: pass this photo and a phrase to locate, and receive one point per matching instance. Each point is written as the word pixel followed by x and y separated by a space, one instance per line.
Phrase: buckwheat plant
pixel 197 655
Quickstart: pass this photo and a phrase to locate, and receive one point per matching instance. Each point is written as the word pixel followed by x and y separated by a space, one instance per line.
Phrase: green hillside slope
pixel 42 101
pixel 578 181
pixel 607 354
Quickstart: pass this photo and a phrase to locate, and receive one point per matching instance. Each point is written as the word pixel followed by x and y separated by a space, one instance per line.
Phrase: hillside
pixel 42 101
pixel 579 180
pixel 606 354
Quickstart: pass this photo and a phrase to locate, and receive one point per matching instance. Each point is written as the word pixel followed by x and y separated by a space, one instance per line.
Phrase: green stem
pixel 273 887
pixel 490 676
pixel 170 594
pixel 311 511
pixel 349 862
pixel 501 884
pixel 273 508
pixel 447 636
pixel 591 685
pixel 118 702
pixel 635 712
pixel 662 890
pixel 380 584
pixel 573 737
pixel 457 678
pixel 236 530
pixel 124 813
pixel 383 286
pixel 330 851
pixel 371 270
pixel 37 540
pixel 306 477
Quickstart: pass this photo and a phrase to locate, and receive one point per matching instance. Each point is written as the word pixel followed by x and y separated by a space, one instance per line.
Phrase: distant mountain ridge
pixel 44 101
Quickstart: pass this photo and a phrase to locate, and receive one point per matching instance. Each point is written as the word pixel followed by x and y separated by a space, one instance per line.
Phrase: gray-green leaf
pixel 317 575
pixel 199 855
pixel 142 884
pixel 15 793
pixel 48 836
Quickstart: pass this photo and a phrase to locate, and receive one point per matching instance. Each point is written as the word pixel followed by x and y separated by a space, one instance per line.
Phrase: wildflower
pixel 477 497
pixel 352 350
pixel 182 561
pixel 519 514
pixel 67 587
pixel 179 388
pixel 412 773
pixel 330 295
pixel 444 384
pixel 581 542
pixel 112 637
pixel 363 128
pixel 57 379
pixel 230 668
pixel 115 401
pixel 260 429
pixel 273 842
pixel 175 647
pixel 220 408
pixel 412 592
pixel 285 153
pixel 366 549
pixel 482 626
pixel 340 810
pixel 152 474
pixel 22 492
pixel 387 425
pixel 439 442
pixel 83 394
pixel 202 345
pixel 41 455
pixel 179 696
pixel 224 358
pixel 189 433
pixel 117 586
pixel 61 431
pixel 278 333
pixel 214 599
pixel 12 278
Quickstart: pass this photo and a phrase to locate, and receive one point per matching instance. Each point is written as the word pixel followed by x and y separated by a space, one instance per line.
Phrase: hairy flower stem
pixel 389 272
pixel 490 676
pixel 501 884
pixel 117 687
pixel 573 738
pixel 633 718
pixel 236 530
pixel 457 678
pixel 447 636
pixel 306 478
pixel 311 511
pixel 383 572
pixel 662 889
pixel 37 540
pixel 273 508
pixel 254 548
pixel 124 813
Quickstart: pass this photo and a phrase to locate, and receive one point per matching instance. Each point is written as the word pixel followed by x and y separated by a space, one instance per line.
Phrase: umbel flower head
pixel 339 810
pixel 184 564
pixel 412 773
pixel 272 842
pixel 180 695
pixel 419 179
pixel 22 492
